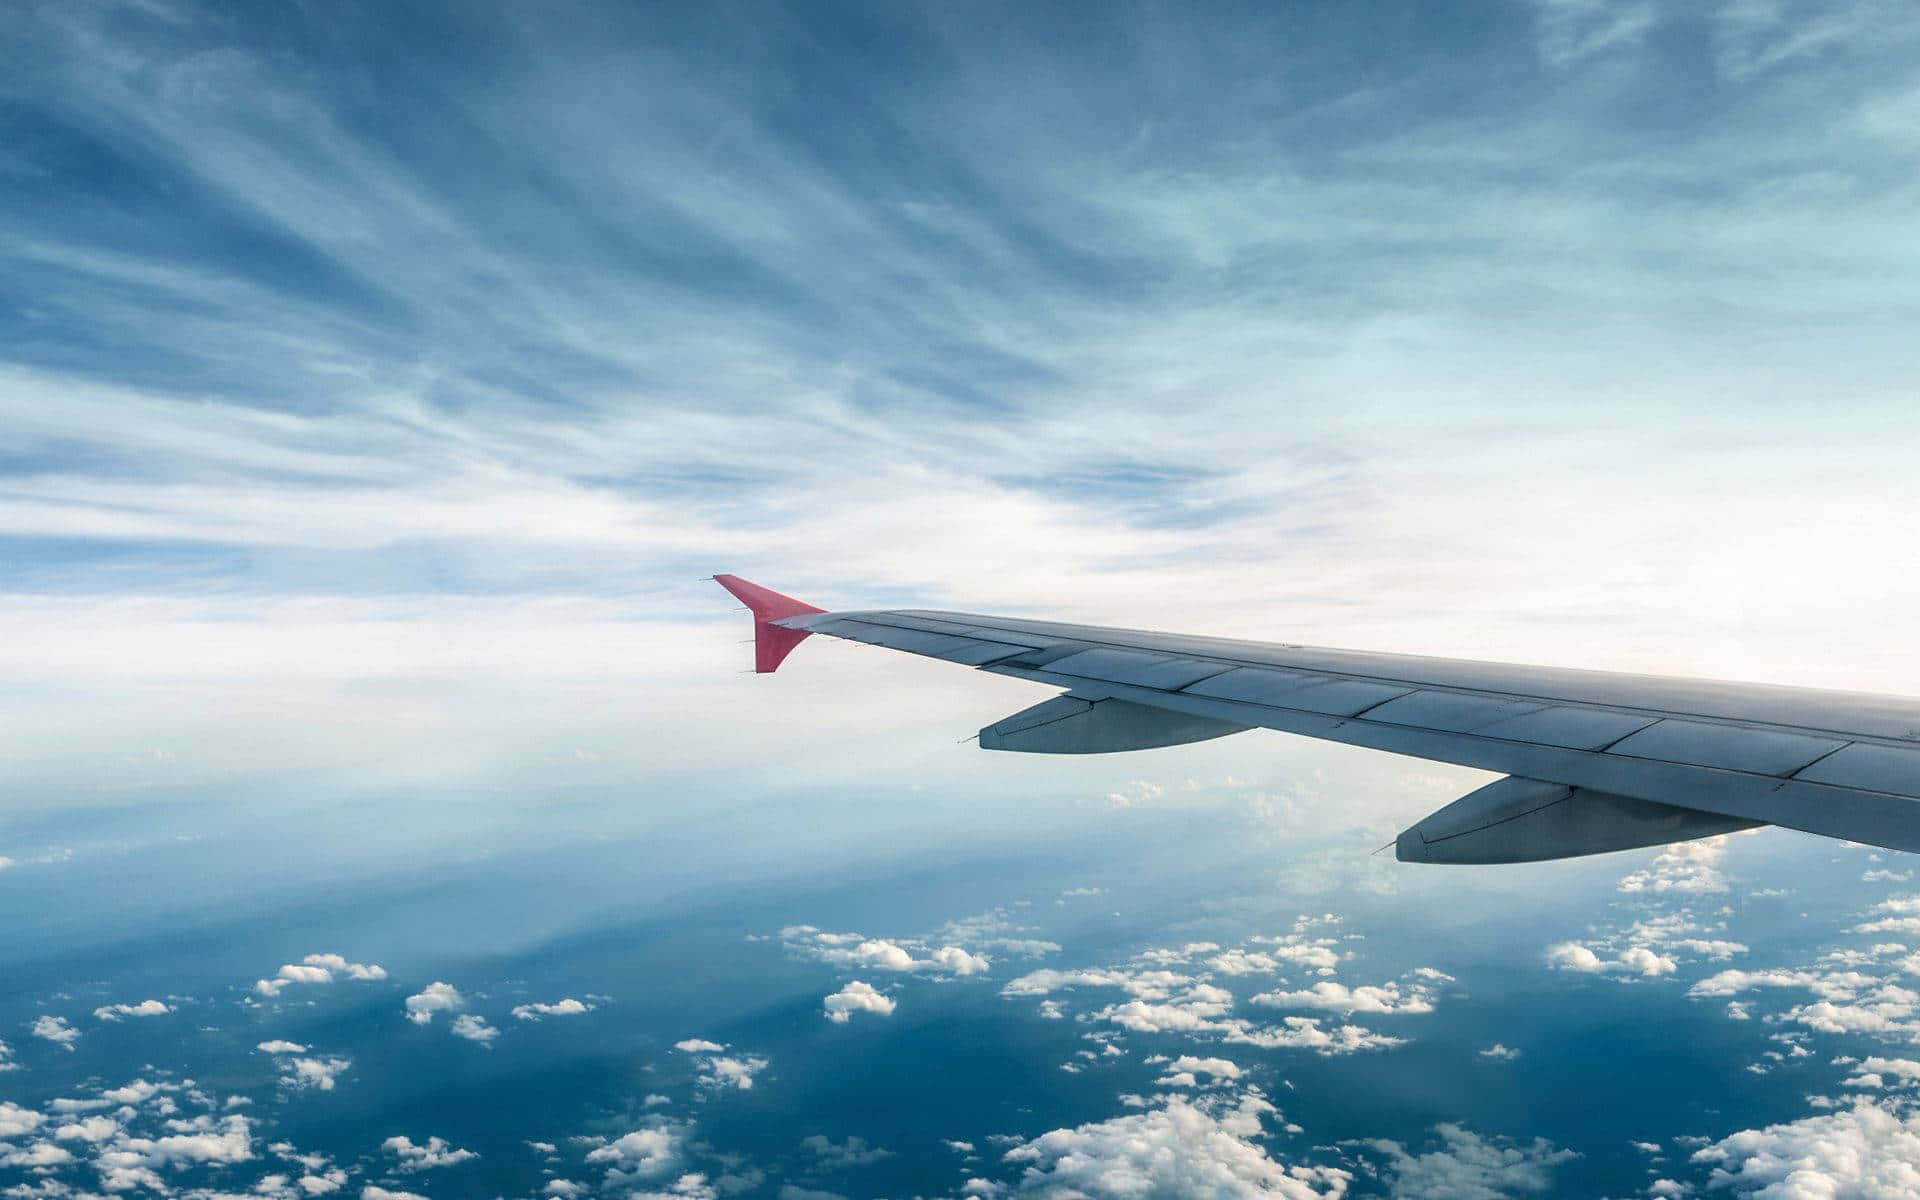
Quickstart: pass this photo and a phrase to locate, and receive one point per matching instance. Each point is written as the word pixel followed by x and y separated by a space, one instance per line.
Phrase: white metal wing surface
pixel 1594 761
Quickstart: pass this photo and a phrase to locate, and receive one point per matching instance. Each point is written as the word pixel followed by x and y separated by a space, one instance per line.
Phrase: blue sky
pixel 379 382
pixel 404 341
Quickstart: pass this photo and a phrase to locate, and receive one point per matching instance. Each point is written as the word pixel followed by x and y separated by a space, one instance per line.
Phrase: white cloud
pixel 317 969
pixel 374 1191
pixel 1336 997
pixel 6 1059
pixel 719 1070
pixel 292 973
pixel 1689 868
pixel 649 1152
pixel 436 997
pixel 317 1074
pixel 1467 1166
pixel 436 1152
pixel 136 1161
pixel 1635 960
pixel 1305 1033
pixel 1732 983
pixel 1194 1009
pixel 56 1030
pixel 139 1091
pixel 854 998
pixel 887 954
pixel 35 1155
pixel 1874 1070
pixel 146 1008
pixel 1500 1051
pixel 16 1121
pixel 1041 982
pixel 568 1007
pixel 959 962
pixel 1181 1149
pixel 732 1071
pixel 473 1028
pixel 94 1129
pixel 339 965
pixel 1185 1070
pixel 1866 1150
pixel 281 1046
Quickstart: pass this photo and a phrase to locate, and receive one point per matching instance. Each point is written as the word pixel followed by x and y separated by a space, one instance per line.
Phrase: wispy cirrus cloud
pixel 431 364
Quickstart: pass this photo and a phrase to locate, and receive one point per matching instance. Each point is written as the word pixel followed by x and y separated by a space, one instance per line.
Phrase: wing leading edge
pixel 1597 761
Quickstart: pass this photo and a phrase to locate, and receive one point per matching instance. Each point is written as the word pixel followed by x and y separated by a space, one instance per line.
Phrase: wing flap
pixel 1727 747
pixel 1868 767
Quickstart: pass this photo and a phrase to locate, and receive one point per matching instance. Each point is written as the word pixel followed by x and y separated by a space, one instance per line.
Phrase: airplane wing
pixel 1594 760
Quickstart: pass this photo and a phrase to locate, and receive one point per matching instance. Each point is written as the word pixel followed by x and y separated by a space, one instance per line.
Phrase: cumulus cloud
pixel 35 1155
pixel 857 997
pixel 146 1008
pixel 1184 1148
pixel 1500 1051
pixel 317 969
pixel 1185 1071
pixel 1305 1033
pixel 16 1121
pixel 1041 982
pixel 94 1129
pixel 1691 868
pixel 959 962
pixel 1874 1072
pixel 1336 997
pixel 56 1030
pixel 559 1008
pixel 414 1156
pixel 473 1028
pixel 1732 983
pixel 435 998
pixel 340 966
pixel 130 1162
pixel 1635 960
pixel 1865 1150
pixel 6 1059
pixel 883 954
pixel 649 1152
pixel 1193 1008
pixel 1466 1166
pixel 719 1070
pixel 316 1074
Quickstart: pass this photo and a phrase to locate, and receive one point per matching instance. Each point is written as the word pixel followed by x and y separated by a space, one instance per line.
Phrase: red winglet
pixel 771 643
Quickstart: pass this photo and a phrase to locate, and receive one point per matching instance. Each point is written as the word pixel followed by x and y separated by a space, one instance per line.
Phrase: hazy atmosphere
pixel 386 805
